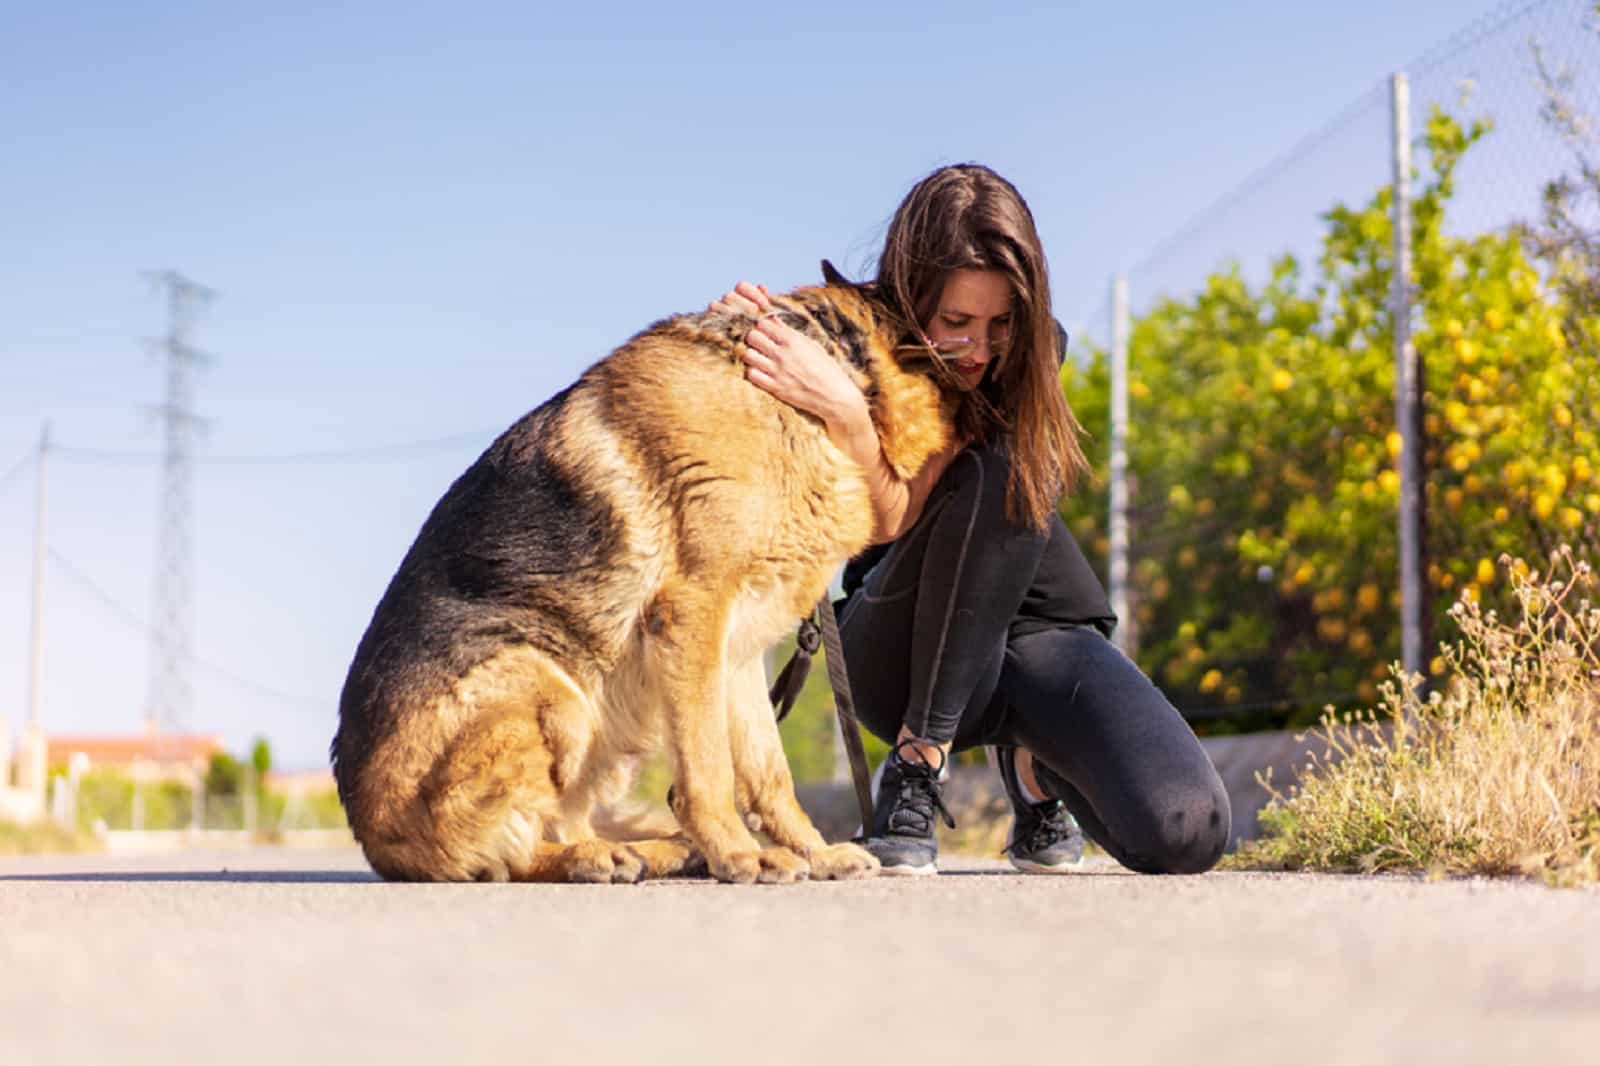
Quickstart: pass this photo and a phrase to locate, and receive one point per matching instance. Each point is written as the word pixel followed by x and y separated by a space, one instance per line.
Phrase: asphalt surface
pixel 301 957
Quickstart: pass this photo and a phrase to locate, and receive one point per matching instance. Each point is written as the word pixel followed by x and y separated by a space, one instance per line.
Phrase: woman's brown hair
pixel 967 216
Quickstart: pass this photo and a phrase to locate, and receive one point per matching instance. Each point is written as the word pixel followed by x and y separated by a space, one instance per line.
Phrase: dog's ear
pixel 831 276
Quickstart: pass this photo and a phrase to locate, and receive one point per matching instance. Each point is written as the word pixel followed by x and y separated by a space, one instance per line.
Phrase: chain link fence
pixel 1500 67
pixel 1261 573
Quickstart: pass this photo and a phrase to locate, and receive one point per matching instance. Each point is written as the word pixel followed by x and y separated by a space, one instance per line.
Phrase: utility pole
pixel 32 770
pixel 1407 396
pixel 1126 633
pixel 169 697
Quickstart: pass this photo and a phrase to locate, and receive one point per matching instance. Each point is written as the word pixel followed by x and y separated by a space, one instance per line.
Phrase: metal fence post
pixel 1126 635
pixel 1407 392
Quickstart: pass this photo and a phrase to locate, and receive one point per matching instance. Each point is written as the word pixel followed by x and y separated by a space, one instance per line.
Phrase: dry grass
pixel 37 838
pixel 1498 774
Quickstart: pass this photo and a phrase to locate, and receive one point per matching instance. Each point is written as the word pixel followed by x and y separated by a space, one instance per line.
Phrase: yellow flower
pixel 1389 481
pixel 1494 318
pixel 1282 380
pixel 1563 415
pixel 1211 681
pixel 1572 518
pixel 1485 574
pixel 1393 442
pixel 1544 504
pixel 1368 598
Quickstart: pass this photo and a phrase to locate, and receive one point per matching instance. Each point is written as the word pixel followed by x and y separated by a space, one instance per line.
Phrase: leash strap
pixel 792 678
pixel 844 706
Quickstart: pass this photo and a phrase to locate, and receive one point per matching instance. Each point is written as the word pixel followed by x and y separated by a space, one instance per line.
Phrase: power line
pixel 371 453
pixel 19 466
pixel 1475 32
pixel 1293 156
pixel 1472 34
pixel 131 620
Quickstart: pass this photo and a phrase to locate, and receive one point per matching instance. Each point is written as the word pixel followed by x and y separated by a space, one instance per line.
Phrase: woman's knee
pixel 1188 829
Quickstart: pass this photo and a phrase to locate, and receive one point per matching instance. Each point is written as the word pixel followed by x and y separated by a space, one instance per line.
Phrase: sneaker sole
pixel 925 870
pixel 1028 867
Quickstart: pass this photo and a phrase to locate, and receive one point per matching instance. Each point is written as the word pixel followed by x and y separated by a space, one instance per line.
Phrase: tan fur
pixel 730 512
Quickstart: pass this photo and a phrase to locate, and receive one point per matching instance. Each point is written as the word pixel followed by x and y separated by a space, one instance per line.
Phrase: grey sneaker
pixel 901 837
pixel 1045 838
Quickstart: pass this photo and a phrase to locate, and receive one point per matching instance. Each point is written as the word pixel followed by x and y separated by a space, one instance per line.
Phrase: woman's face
pixel 976 305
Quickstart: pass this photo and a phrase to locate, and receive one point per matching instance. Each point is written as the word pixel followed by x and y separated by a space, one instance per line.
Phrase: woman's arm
pixel 795 369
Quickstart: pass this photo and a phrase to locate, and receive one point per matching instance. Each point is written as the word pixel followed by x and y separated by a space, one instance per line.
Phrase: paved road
pixel 299 957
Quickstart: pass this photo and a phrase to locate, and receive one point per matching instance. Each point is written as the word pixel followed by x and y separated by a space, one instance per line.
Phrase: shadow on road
pixel 215 876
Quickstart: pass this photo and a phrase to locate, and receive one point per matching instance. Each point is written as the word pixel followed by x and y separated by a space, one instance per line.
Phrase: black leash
pixel 792 678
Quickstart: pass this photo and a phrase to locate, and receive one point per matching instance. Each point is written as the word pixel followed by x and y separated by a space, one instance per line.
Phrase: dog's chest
pixel 762 614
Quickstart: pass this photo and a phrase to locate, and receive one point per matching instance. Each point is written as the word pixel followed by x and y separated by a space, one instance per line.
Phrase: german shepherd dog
pixel 605 579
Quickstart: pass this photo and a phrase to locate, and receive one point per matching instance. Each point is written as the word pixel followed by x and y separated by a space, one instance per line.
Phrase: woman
pixel 975 619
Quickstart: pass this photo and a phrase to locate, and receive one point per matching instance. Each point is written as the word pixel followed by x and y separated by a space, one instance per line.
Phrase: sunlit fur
pixel 601 584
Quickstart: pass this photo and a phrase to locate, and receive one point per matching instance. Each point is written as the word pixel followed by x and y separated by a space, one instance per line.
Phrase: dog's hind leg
pixel 668 857
pixel 511 776
pixel 766 785
pixel 585 860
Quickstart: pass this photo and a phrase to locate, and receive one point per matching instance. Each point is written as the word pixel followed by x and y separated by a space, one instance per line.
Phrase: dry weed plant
pixel 1498 773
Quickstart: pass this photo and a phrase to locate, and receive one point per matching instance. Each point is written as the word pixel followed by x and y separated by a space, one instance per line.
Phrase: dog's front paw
pixel 842 862
pixel 735 867
pixel 780 866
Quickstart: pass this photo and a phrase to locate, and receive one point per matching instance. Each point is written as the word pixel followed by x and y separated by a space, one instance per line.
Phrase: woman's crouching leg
pixel 1116 752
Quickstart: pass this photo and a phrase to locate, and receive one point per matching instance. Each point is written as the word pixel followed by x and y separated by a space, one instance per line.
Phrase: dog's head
pixel 914 416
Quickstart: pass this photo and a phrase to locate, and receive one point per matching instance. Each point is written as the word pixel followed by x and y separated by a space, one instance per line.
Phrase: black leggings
pixel 929 643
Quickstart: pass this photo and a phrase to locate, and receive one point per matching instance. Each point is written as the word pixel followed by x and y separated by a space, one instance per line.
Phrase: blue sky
pixel 423 219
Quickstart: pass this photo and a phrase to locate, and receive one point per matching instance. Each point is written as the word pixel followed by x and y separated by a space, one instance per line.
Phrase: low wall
pixel 155 841
pixel 20 805
pixel 975 790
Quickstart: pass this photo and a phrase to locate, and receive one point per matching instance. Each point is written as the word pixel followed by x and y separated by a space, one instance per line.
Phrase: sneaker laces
pixel 1049 830
pixel 918 795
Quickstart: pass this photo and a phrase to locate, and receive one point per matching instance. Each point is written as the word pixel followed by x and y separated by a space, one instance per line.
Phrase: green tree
pixel 224 776
pixel 1263 440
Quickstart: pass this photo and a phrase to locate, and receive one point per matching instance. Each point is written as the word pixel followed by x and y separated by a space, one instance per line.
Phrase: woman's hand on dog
pixel 793 367
pixel 745 299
